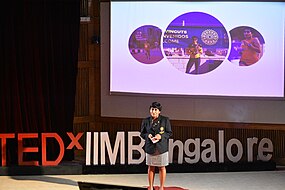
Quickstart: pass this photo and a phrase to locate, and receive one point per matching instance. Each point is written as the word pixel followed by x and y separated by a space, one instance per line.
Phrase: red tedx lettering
pixel 74 141
pixel 22 149
pixel 44 151
pixel 3 138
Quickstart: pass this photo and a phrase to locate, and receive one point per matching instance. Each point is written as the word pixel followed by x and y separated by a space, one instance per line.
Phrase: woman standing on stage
pixel 156 130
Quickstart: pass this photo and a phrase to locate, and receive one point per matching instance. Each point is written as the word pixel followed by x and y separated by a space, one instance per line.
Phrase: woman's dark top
pixel 161 126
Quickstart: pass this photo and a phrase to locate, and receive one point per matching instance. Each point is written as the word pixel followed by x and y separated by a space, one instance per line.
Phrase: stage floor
pixel 265 180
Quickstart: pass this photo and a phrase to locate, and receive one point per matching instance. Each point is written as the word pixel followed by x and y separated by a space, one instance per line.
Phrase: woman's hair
pixel 155 105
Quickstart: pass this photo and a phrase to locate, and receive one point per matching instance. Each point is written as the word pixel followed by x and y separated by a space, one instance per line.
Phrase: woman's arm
pixel 143 133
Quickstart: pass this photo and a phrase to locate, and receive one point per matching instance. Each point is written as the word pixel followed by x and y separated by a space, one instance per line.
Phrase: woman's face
pixel 154 112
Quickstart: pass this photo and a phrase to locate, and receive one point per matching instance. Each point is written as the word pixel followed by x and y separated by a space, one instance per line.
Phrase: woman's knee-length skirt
pixel 158 160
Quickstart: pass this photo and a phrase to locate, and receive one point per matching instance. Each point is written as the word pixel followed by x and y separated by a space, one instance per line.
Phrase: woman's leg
pixel 151 173
pixel 162 176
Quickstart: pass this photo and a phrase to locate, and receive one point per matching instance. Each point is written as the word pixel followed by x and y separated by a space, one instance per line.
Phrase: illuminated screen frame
pixel 133 75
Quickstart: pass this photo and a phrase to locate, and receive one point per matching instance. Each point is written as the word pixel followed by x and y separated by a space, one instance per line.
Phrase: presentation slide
pixel 233 49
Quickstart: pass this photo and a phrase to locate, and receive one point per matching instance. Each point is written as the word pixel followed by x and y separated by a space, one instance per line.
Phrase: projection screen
pixel 150 48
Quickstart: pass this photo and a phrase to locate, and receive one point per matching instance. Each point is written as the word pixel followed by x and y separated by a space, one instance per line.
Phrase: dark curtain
pixel 39 42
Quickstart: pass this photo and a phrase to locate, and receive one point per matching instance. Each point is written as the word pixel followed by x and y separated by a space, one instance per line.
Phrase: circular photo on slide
pixel 144 44
pixel 247 46
pixel 195 43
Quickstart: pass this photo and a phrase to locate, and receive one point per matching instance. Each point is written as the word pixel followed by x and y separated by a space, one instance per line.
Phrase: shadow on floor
pixel 47 179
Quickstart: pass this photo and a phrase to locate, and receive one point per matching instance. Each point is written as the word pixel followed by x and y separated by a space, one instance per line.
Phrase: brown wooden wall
pixel 87 112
